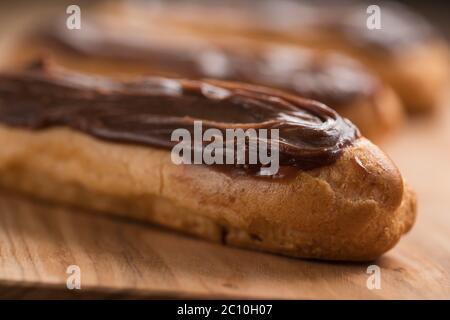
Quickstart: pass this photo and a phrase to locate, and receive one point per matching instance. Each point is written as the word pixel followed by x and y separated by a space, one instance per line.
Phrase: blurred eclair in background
pixel 124 39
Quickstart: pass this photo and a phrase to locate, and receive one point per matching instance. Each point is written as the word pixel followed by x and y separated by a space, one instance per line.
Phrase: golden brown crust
pixel 355 209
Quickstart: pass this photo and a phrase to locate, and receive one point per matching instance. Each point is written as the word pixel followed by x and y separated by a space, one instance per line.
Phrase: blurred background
pixel 434 11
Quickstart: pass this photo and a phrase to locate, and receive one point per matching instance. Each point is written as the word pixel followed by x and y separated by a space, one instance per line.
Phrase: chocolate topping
pixel 147 111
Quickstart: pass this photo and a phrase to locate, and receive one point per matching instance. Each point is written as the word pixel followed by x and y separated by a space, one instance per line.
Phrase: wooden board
pixel 125 259
pixel 121 259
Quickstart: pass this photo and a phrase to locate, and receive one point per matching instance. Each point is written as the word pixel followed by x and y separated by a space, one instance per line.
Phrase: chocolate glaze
pixel 330 78
pixel 147 111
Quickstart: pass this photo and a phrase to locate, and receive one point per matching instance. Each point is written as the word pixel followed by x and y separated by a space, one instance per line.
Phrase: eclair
pixel 106 145
pixel 120 43
pixel 394 42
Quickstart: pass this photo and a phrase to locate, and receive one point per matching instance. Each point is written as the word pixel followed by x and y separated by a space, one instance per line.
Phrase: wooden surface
pixel 121 259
